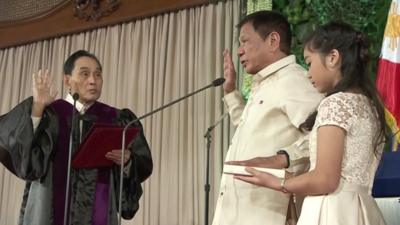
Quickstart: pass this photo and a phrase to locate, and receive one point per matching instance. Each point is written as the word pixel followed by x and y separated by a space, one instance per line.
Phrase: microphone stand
pixel 207 135
pixel 215 83
pixel 75 96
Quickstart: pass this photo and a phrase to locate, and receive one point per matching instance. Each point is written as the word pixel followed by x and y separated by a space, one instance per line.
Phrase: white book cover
pixel 240 170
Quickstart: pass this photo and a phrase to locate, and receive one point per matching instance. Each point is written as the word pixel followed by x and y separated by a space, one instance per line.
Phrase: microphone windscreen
pixel 218 82
pixel 75 96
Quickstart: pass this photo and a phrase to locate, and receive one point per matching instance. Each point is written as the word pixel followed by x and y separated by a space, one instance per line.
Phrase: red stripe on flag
pixel 388 85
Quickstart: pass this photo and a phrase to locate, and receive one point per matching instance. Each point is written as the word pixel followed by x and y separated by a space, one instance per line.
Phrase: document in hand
pixel 101 139
pixel 240 170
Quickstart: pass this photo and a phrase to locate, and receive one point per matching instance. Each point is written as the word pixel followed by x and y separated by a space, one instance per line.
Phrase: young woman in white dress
pixel 346 138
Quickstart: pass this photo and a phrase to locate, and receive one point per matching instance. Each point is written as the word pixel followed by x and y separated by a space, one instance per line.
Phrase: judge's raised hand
pixel 229 73
pixel 43 92
pixel 115 156
pixel 275 162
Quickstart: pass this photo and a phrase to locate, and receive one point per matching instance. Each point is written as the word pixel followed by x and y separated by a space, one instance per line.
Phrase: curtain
pixel 146 64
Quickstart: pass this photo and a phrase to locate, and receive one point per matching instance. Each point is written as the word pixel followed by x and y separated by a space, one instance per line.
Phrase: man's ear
pixel 274 40
pixel 67 81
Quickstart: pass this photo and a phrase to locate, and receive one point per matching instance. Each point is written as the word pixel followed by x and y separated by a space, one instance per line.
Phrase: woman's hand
pixel 260 179
pixel 275 162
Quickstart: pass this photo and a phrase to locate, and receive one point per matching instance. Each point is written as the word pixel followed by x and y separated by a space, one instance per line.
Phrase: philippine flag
pixel 388 77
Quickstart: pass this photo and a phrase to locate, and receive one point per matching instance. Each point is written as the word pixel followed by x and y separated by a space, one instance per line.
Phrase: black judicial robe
pixel 41 159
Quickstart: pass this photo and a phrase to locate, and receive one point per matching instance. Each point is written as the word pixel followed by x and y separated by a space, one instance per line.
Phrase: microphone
pixel 75 97
pixel 218 82
pixel 215 83
pixel 207 135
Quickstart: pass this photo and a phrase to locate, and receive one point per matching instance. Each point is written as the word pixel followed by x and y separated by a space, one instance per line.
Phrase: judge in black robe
pixel 39 153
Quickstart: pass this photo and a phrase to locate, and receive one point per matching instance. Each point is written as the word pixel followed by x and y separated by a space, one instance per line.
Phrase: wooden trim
pixel 63 22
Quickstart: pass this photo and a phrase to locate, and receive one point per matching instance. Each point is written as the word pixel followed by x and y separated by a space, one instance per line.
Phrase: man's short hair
pixel 70 62
pixel 265 22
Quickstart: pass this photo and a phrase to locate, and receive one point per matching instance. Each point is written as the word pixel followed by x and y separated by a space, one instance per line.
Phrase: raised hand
pixel 229 73
pixel 43 92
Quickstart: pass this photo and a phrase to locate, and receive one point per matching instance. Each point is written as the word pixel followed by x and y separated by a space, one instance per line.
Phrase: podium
pixel 386 189
pixel 387 178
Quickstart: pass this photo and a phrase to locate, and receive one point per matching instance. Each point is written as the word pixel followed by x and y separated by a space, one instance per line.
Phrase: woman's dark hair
pixel 70 62
pixel 353 49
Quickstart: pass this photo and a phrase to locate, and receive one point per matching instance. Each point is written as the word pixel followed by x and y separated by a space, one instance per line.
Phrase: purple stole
pixel 103 114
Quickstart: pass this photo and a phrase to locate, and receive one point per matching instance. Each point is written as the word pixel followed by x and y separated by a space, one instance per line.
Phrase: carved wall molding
pixel 94 9
pixel 63 22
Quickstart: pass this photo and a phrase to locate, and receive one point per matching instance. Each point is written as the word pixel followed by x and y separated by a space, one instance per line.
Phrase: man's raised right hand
pixel 43 92
pixel 229 73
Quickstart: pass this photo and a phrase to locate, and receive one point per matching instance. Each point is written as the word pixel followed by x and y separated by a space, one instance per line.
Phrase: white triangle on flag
pixel 388 53
pixel 391 40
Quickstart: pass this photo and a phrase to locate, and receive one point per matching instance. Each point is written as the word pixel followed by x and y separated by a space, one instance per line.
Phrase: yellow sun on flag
pixel 392 29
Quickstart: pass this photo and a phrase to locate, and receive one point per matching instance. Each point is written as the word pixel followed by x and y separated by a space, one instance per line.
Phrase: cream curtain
pixel 146 64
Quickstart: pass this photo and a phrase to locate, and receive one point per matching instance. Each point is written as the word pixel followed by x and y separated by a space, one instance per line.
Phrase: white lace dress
pixel 351 203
